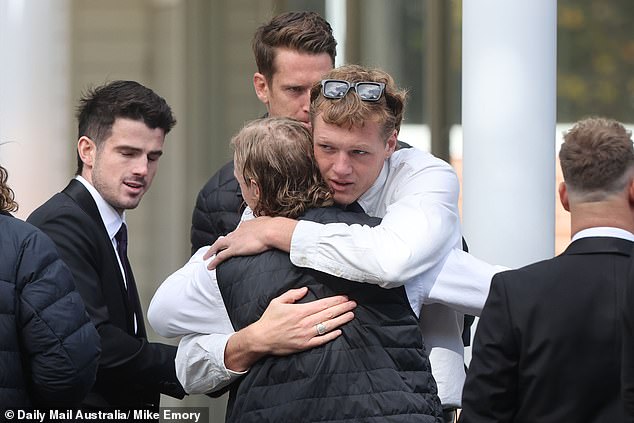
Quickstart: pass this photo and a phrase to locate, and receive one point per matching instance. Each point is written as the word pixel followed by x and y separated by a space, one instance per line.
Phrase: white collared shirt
pixel 189 303
pixel 416 194
pixel 607 231
pixel 112 220
pixel 419 244
pixel 411 182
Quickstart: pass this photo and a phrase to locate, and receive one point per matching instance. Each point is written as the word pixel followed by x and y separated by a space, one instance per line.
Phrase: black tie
pixel 132 296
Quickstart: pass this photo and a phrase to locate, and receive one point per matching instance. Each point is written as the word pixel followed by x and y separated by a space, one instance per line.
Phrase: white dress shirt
pixel 112 220
pixel 189 302
pixel 416 193
pixel 601 231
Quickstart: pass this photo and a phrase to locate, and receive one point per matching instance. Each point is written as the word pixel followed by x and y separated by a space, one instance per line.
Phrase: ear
pixel 87 150
pixel 255 188
pixel 261 88
pixel 563 196
pixel 390 145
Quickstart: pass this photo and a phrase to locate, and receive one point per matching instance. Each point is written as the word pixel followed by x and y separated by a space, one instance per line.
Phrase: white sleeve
pixel 200 366
pixel 461 283
pixel 420 226
pixel 189 301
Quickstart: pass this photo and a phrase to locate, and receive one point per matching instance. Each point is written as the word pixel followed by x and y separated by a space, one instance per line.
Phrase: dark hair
pixel 100 107
pixel 277 153
pixel 597 158
pixel 7 197
pixel 350 110
pixel 306 32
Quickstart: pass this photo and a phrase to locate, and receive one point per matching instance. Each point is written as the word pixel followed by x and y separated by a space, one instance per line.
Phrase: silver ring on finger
pixel 320 328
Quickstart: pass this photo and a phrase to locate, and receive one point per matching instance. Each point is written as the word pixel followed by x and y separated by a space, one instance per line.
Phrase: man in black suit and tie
pixel 122 127
pixel 547 347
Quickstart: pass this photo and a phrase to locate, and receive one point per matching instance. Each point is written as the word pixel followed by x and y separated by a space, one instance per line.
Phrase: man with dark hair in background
pixel 292 52
pixel 122 128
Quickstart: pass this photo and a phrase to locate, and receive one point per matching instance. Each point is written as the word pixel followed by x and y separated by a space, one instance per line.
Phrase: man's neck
pixel 613 214
pixel 109 215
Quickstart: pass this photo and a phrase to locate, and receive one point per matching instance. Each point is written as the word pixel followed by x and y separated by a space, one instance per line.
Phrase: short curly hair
pixel 7 196
pixel 350 111
pixel 597 158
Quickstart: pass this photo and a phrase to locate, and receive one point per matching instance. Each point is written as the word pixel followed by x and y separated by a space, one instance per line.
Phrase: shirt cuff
pixel 200 365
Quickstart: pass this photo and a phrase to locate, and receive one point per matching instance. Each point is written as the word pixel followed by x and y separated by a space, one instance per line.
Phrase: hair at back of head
pixel 597 158
pixel 277 153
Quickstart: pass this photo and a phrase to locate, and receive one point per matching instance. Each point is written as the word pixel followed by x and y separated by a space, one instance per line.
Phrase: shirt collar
pixel 370 198
pixel 604 231
pixel 111 219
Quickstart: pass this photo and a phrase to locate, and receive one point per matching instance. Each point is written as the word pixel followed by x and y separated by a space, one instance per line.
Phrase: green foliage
pixel 595 59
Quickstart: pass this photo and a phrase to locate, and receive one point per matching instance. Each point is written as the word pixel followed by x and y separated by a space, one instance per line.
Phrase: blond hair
pixel 350 111
pixel 277 153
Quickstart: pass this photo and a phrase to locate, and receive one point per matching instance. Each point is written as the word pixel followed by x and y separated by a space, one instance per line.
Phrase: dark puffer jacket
pixel 219 206
pixel 48 347
pixel 378 370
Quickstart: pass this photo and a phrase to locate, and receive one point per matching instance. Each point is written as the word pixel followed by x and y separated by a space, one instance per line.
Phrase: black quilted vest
pixel 377 371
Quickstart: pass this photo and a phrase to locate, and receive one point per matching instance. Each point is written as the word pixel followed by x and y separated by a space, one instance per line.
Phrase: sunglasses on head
pixel 366 90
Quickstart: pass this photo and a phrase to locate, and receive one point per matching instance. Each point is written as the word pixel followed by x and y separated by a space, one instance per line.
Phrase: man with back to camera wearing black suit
pixel 122 128
pixel 547 347
pixel 627 374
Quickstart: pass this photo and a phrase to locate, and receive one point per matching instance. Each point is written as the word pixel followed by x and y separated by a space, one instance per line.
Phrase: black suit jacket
pixel 132 372
pixel 547 346
pixel 628 348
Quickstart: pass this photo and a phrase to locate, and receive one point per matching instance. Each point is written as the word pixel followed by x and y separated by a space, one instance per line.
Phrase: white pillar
pixel 35 109
pixel 336 15
pixel 508 117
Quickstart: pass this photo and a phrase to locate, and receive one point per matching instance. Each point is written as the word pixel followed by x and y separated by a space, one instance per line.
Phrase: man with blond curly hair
pixel 356 114
pixel 372 371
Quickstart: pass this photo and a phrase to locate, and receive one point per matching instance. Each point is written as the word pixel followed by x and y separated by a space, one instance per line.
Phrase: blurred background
pixel 197 54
